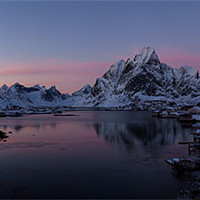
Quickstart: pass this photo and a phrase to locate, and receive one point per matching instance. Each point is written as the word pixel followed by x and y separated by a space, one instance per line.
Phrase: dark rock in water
pixel 3 135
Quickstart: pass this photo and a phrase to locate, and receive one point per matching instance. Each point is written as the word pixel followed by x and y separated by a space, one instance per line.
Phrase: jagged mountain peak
pixel 147 55
pixel 189 71
pixel 67 95
pixel 141 79
pixel 4 87
pixel 53 88
pixel 119 64
pixel 43 88
pixel 86 87
pixel 16 84
pixel 36 86
pixel 115 70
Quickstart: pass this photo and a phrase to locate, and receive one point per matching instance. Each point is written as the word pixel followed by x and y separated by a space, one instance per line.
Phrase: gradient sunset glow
pixel 70 44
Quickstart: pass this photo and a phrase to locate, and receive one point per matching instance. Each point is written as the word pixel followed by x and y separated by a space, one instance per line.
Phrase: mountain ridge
pixel 19 96
pixel 129 84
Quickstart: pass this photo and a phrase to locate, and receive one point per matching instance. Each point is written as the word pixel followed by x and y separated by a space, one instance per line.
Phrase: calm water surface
pixel 98 154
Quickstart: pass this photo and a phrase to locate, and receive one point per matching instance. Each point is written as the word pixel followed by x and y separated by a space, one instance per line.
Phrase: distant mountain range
pixel 19 96
pixel 136 83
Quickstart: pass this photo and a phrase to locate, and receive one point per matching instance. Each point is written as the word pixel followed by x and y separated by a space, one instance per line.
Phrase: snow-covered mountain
pixel 143 79
pixel 139 82
pixel 19 96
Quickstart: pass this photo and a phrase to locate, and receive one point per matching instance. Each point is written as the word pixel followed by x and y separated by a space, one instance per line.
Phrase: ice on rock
pixel 187 70
pixel 147 56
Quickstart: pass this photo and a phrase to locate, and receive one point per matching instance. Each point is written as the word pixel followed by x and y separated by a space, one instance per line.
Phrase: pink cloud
pixel 66 75
pixel 50 67
pixel 19 71
pixel 69 76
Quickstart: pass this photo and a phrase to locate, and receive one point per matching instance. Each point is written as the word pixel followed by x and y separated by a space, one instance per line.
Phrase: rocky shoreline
pixel 193 190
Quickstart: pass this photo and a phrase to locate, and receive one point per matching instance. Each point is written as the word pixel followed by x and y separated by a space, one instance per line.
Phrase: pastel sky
pixel 71 43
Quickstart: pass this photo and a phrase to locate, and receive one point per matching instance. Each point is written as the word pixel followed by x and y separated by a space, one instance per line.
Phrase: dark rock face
pixel 20 88
pixel 127 68
pixel 143 82
pixel 63 96
pixel 47 96
pixel 97 89
pixel 51 93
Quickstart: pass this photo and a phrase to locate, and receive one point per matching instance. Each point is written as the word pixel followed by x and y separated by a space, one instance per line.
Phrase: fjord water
pixel 97 154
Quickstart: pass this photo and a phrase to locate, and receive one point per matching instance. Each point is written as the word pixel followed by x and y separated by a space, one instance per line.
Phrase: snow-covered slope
pixel 84 90
pixel 141 79
pixel 19 96
pixel 78 96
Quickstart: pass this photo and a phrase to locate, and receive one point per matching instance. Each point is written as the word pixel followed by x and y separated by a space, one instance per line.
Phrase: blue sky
pixel 70 43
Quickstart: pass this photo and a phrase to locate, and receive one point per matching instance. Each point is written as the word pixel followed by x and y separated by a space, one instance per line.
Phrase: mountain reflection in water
pixel 19 127
pixel 48 157
pixel 157 132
